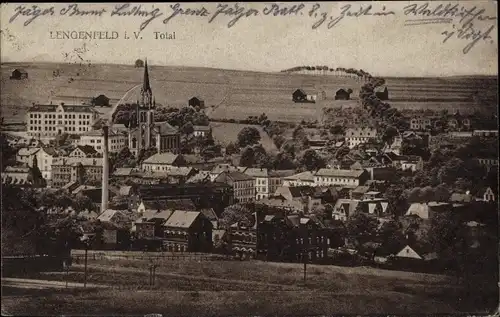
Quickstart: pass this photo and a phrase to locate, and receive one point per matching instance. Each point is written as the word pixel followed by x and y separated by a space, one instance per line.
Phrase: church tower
pixel 145 113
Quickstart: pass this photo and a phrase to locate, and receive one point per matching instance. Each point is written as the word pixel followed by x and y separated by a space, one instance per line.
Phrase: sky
pixel 381 45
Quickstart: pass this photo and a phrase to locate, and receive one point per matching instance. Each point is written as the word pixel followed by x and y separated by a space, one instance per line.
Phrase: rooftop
pixel 339 173
pixel 162 158
pixel 182 219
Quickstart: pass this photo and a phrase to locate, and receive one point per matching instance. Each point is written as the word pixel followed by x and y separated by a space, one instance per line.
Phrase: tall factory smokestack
pixel 105 170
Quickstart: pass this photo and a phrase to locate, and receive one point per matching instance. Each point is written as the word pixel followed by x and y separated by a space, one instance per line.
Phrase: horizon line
pixel 238 70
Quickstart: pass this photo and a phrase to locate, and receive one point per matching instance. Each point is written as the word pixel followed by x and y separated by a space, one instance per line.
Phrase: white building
pixel 44 158
pixel 116 142
pixel 419 123
pixel 201 130
pixel 162 162
pixel 52 120
pixel 301 179
pixel 338 177
pixel 356 136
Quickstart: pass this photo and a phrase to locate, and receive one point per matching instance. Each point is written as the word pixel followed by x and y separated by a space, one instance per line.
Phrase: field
pixel 190 287
pixel 227 93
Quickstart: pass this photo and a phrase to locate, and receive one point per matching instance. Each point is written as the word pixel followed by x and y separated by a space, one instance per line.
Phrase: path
pixel 42 284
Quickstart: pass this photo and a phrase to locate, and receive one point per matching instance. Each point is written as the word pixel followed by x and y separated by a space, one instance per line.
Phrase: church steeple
pixel 146 92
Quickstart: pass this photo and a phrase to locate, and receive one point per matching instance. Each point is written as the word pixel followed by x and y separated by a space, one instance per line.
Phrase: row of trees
pixel 325 69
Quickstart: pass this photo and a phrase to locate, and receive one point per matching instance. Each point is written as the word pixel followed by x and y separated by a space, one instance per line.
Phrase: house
pixel 359 192
pixel 187 231
pixel 409 163
pixel 486 194
pixel 300 179
pixel 20 176
pixel 488 163
pixel 44 157
pixel 83 151
pixel 117 224
pixel 382 93
pixel 162 162
pixel 117 140
pixel 150 225
pixel 420 123
pixel 427 210
pixel 343 94
pixel 123 173
pixel 485 133
pixel 344 208
pixel 52 120
pixel 356 136
pixel 281 203
pixel 345 178
pixel 202 131
pixel 277 179
pixel 242 238
pixel 300 95
pixel 200 177
pixel 219 168
pixel 196 102
pixel 261 177
pixel 243 185
pixel 461 198
pixel 210 214
pixel 100 101
pixel 308 238
pixel 146 207
pixel 19 74
pixel 205 195
pixel 75 169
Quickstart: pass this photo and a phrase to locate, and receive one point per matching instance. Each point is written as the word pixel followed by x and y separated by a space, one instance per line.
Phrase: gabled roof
pixel 123 171
pixel 20 70
pixel 199 177
pixel 164 128
pixel 202 128
pixel 236 176
pixel 339 173
pixel 418 209
pixel 86 149
pixel 27 151
pixel 348 205
pixel 281 173
pixel 256 172
pixel 125 190
pixel 219 168
pixel 361 189
pixel 182 219
pixel 209 213
pixel 304 176
pixel 162 158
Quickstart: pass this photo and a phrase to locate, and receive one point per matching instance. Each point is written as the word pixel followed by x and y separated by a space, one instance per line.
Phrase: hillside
pixel 227 93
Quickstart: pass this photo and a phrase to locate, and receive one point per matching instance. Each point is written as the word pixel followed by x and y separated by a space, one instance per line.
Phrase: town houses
pixel 175 185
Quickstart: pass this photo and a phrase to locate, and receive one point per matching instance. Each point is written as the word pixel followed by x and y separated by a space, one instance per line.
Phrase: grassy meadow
pixel 228 93
pixel 189 287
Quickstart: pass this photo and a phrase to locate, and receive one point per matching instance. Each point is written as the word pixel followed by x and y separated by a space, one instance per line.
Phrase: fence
pixel 78 256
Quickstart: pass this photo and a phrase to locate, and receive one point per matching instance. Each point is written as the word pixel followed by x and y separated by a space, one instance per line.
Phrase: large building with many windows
pixel 52 120
pixel 76 169
pixel 116 142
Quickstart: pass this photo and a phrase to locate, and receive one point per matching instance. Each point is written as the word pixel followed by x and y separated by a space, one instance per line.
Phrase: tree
pixel 389 134
pixel 312 161
pixel 337 129
pixel 361 227
pixel 248 136
pixel 231 148
pixel 442 193
pixel 278 140
pixel 247 158
pixel 283 161
pixel 139 63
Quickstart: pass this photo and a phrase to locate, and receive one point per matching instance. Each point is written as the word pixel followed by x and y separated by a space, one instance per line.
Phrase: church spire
pixel 146 92
pixel 145 83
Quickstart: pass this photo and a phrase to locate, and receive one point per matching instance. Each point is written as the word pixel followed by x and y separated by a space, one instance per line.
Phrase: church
pixel 146 133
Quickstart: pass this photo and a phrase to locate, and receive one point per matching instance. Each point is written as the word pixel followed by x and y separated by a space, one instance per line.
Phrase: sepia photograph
pixel 249 159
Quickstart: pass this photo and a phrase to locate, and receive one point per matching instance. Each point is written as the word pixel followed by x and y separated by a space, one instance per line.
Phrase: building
pixel 100 101
pixel 300 95
pixel 356 136
pixel 44 157
pixel 338 177
pixel 277 179
pixel 382 93
pixel 300 179
pixel 202 131
pixel 73 169
pixel 187 231
pixel 146 133
pixel 162 162
pixel 83 151
pixel 427 210
pixel 343 94
pixel 420 123
pixel 344 208
pixel 485 133
pixel 19 74
pixel 488 163
pixel 409 163
pixel 116 141
pixel 486 194
pixel 196 102
pixel 219 168
pixel 22 176
pixel 243 185
pixel 204 195
pixel 52 120
pixel 261 177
